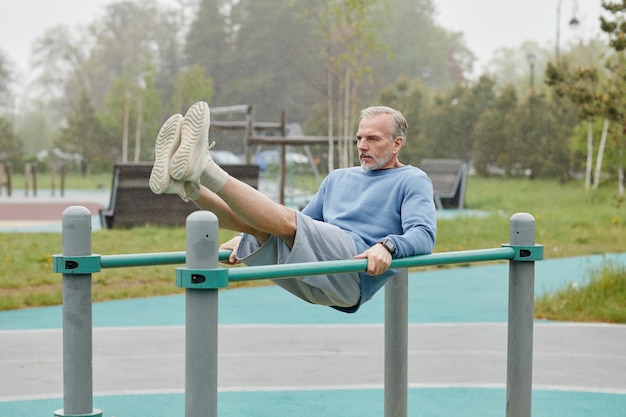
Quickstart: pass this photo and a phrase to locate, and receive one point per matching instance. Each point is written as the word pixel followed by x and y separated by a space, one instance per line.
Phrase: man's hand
pixel 378 259
pixel 232 245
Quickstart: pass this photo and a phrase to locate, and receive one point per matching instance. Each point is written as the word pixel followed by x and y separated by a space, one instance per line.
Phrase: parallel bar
pixel 251 273
pixel 149 259
pixel 299 269
pixel 142 259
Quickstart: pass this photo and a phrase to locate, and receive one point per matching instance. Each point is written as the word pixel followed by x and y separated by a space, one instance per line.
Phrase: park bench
pixel 449 178
pixel 132 204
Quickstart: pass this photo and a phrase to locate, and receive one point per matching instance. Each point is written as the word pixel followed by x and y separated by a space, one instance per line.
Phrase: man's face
pixel 374 141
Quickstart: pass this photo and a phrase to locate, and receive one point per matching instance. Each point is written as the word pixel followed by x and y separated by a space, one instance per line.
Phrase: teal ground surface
pixel 426 402
pixel 454 295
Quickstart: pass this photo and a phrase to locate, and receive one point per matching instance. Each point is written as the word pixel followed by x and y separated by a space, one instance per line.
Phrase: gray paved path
pixel 579 357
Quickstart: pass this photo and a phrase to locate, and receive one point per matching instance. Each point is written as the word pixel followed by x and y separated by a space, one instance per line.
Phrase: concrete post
pixel 396 345
pixel 201 318
pixel 520 326
pixel 77 319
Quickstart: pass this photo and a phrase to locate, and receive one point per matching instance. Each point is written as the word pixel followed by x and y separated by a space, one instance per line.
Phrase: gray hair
pixel 399 125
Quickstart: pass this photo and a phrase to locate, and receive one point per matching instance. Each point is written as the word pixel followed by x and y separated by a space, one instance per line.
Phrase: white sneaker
pixel 184 189
pixel 190 159
pixel 165 146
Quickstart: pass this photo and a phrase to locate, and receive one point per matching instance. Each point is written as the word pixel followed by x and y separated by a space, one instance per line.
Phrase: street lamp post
pixel 573 22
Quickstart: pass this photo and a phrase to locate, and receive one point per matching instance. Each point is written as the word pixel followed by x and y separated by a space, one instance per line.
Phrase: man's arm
pixel 418 219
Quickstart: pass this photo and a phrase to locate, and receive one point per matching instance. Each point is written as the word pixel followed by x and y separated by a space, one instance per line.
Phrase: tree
pixel 349 36
pixel 10 144
pixel 415 46
pixel 6 99
pixel 148 108
pixel 492 144
pixel 412 97
pixel 191 86
pixel 123 61
pixel 273 63
pixel 209 40
pixel 615 28
pixel 60 57
pixel 86 135
pixel 449 124
pixel 131 105
pixel 583 88
pixel 128 37
pixel 539 132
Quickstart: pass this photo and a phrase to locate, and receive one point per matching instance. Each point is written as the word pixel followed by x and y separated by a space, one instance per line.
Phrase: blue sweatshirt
pixel 395 203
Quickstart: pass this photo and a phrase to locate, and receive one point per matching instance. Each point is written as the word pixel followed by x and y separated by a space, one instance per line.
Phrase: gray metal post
pixel 77 319
pixel 201 319
pixel 396 345
pixel 520 327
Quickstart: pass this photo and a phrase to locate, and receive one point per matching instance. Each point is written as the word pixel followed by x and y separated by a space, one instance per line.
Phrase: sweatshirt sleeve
pixel 418 217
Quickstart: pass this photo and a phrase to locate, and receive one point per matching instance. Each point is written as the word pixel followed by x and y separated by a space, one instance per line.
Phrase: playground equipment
pixel 202 278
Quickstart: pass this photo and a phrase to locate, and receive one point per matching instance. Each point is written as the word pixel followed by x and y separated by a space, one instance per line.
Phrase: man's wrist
pixel 388 244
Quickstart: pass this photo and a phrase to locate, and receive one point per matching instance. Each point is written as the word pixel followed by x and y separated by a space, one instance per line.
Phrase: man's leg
pixel 182 162
pixel 208 200
pixel 192 163
pixel 259 211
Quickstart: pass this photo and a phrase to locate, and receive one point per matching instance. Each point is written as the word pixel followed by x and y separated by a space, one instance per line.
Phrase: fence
pixel 202 278
pixel 30 178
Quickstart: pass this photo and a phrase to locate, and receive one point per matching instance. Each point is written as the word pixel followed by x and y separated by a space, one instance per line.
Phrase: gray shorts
pixel 315 241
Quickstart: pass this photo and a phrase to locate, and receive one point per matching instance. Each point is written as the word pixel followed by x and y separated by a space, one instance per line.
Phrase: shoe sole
pixel 165 146
pixel 189 160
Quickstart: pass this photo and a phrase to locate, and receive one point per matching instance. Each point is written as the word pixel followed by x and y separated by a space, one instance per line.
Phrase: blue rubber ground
pixel 426 402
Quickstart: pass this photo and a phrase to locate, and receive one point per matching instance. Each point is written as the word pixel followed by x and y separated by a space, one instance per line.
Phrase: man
pixel 381 210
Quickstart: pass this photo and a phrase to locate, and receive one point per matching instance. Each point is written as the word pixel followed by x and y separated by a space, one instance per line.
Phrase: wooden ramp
pixel 133 204
pixel 449 178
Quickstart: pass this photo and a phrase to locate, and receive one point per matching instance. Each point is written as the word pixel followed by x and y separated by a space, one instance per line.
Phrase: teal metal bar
pixel 251 273
pixel 142 259
pixel 149 259
pixel 299 269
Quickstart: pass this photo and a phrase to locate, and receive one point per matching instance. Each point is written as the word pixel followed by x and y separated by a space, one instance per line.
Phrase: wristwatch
pixel 388 244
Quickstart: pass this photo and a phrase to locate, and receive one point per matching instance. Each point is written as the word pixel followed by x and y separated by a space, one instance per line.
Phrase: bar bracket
pixel 201 278
pixel 526 253
pixel 75 265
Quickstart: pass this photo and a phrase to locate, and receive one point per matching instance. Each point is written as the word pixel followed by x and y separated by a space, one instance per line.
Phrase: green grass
pixel 73 181
pixel 599 299
pixel 27 280
pixel 570 222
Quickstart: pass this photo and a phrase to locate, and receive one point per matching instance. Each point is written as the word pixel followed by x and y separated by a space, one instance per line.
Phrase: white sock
pixel 213 177
pixel 192 191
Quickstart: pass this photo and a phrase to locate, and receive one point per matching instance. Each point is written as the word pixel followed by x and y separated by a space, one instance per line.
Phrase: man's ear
pixel 397 144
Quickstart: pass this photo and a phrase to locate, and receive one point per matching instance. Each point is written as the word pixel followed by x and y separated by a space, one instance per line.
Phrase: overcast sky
pixel 486 24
